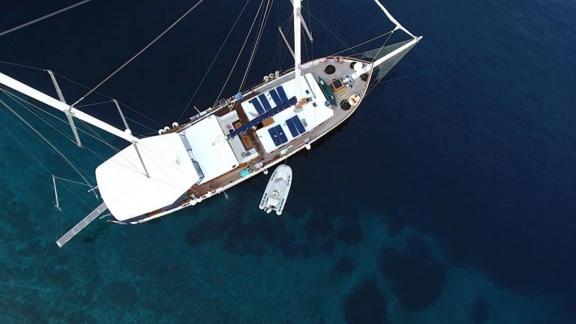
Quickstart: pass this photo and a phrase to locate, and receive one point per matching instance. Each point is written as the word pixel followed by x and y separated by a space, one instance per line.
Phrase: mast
pixel 297 47
pixel 64 107
pixel 68 113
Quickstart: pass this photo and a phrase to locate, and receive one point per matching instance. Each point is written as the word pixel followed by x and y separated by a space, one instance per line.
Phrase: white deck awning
pixel 311 115
pixel 127 191
pixel 210 147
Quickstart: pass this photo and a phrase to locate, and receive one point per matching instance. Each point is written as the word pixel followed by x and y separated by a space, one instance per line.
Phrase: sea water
pixel 449 197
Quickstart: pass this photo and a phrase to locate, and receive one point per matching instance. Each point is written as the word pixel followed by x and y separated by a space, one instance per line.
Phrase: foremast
pixel 298 47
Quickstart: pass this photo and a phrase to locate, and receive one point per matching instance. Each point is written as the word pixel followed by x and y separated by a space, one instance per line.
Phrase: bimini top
pixel 210 148
pixel 126 189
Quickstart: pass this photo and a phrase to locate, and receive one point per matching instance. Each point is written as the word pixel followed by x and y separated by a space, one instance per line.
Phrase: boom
pixel 63 107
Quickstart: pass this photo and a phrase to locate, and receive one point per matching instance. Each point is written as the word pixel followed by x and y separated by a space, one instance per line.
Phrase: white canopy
pixel 210 148
pixel 127 191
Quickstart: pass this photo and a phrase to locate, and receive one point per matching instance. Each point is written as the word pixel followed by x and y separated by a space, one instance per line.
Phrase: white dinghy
pixel 277 190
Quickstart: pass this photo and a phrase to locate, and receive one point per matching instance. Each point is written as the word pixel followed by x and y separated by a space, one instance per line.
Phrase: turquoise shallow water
pixel 448 198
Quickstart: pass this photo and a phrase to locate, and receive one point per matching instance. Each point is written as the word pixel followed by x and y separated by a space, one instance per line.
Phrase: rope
pixel 22 65
pixel 363 43
pixel 189 103
pixel 97 92
pixel 109 97
pixel 241 51
pixel 329 30
pixel 381 47
pixel 19 100
pixel 47 142
pixel 267 11
pixel 72 181
pixel 43 17
pixel 138 54
pixel 44 166
pixel 91 151
pixel 94 104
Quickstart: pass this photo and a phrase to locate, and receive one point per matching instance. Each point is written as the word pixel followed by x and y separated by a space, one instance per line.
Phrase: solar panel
pixel 256 103
pixel 278 136
pixel 292 128
pixel 299 125
pixel 274 134
pixel 275 97
pixel 244 128
pixel 282 94
pixel 264 102
pixel 281 136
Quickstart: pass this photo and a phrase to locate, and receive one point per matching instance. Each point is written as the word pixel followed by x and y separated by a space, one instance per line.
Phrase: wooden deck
pixel 265 160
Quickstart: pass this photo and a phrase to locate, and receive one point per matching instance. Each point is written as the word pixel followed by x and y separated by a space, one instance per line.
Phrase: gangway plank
pixel 80 226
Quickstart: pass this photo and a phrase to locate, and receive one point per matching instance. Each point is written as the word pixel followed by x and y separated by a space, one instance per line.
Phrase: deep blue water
pixel 450 197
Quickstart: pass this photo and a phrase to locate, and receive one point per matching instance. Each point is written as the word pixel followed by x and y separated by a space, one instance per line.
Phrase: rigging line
pixel 310 28
pixel 381 47
pixel 107 96
pixel 72 181
pixel 22 65
pixel 42 164
pixel 265 17
pixel 94 104
pixel 47 142
pixel 378 53
pixel 58 130
pixel 138 54
pixel 276 51
pixel 363 43
pixel 214 60
pixel 99 137
pixel 140 124
pixel 6 129
pixel 263 23
pixel 57 12
pixel 329 30
pixel 241 51
pixel 16 98
pixel 70 139
pixel 274 56
pixel 61 133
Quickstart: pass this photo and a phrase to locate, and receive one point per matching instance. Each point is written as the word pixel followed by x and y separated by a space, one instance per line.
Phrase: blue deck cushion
pixel 256 103
pixel 275 97
pixel 282 94
pixel 244 128
pixel 264 102
pixel 293 130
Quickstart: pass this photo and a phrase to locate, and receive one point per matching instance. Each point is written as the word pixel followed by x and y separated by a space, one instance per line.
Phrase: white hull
pixel 277 190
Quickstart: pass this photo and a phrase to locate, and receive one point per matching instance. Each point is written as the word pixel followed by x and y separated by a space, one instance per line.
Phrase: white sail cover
pixel 126 189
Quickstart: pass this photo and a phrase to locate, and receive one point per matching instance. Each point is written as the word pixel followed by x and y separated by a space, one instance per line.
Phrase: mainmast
pixel 297 47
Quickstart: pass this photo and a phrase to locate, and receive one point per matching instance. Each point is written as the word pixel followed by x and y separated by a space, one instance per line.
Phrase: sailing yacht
pixel 237 139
